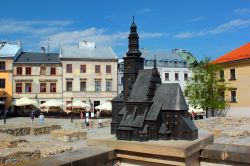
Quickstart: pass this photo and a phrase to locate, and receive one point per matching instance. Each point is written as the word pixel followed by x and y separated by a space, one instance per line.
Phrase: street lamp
pixel 71 109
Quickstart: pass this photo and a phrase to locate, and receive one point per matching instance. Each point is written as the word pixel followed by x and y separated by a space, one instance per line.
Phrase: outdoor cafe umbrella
pixel 24 101
pixel 105 106
pixel 78 104
pixel 52 103
pixel 195 109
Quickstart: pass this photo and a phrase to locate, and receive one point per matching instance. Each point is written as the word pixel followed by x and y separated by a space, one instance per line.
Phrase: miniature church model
pixel 148 109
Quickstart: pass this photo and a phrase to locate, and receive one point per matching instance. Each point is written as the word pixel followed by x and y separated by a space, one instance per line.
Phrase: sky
pixel 207 28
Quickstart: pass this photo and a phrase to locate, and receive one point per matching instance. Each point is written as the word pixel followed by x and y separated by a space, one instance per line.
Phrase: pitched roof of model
pixel 34 57
pixel 240 53
pixel 88 52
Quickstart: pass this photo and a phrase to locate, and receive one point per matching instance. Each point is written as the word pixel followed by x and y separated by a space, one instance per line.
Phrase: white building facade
pixel 89 74
pixel 171 67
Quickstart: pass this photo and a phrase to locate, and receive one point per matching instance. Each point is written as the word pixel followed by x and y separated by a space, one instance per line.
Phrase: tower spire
pixel 133 41
pixel 155 62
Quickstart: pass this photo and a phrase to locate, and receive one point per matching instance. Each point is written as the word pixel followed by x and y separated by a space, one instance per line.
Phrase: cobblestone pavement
pixel 14 149
pixel 227 130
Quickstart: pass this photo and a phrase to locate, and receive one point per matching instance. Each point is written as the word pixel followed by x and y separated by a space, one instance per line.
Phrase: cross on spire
pixel 155 62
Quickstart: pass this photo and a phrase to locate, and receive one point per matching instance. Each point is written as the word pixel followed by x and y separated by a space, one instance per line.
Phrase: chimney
pixel 42 50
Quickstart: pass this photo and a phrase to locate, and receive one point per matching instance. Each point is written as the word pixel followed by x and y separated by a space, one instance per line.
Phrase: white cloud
pixel 196 19
pixel 152 35
pixel 229 26
pixel 185 35
pixel 242 11
pixel 31 27
pixel 146 10
pixel 99 36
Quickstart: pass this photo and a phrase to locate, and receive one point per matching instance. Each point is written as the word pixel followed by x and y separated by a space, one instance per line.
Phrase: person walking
pixel 32 116
pixel 5 115
pixel 41 118
pixel 87 121
pixel 81 115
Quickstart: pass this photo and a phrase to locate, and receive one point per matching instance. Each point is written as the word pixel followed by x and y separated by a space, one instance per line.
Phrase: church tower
pixel 133 62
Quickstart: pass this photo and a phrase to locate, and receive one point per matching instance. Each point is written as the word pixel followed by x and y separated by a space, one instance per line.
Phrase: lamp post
pixel 71 109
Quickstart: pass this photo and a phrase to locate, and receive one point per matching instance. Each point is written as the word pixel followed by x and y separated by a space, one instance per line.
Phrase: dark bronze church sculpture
pixel 148 109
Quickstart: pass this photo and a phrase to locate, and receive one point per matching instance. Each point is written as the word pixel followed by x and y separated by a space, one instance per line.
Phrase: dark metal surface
pixel 149 110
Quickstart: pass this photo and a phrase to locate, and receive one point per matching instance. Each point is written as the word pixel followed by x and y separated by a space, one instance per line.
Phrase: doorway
pixel 96 103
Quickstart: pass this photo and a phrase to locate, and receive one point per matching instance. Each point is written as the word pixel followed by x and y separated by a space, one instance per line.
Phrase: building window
pixel 2 65
pixel 121 80
pixel 185 76
pixel 176 76
pixel 2 83
pixel 53 87
pixel 42 87
pixel 233 96
pixel 28 87
pixel 185 64
pixel 175 63
pixel 19 70
pixel 83 69
pixel 108 68
pixel 222 75
pixel 166 63
pixel 97 69
pixel 167 76
pixel 97 85
pixel 28 70
pixel 69 85
pixel 42 70
pixel 232 74
pixel 222 95
pixel 19 87
pixel 108 86
pixel 52 71
pixel 83 86
pixel 69 68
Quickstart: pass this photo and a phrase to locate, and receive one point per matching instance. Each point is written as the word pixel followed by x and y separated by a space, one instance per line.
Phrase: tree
pixel 205 89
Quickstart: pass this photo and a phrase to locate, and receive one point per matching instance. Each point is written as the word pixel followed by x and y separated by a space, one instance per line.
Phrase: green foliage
pixel 205 89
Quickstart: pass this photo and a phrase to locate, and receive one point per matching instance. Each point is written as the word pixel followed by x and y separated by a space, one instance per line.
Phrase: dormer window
pixel 175 63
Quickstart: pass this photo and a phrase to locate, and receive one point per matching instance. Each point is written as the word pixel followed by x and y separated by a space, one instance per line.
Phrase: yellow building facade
pixel 6 82
pixel 237 76
pixel 8 52
pixel 236 73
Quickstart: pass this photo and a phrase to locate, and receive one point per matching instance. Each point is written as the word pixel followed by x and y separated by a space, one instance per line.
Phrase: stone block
pixel 68 135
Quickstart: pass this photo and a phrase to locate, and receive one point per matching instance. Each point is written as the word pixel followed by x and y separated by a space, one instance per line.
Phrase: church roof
pixel 140 87
pixel 167 97
pixel 240 53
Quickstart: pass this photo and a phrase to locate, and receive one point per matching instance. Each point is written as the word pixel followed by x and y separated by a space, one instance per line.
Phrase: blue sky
pixel 205 28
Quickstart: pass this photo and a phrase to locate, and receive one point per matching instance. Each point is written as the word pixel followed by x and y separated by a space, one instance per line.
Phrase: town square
pixel 122 83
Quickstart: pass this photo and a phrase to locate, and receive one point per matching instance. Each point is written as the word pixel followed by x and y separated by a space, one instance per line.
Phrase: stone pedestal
pixel 170 152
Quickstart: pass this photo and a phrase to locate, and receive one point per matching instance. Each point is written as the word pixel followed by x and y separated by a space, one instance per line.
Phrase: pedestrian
pixel 100 125
pixel 81 115
pixel 1 112
pixel 87 121
pixel 41 118
pixel 5 115
pixel 32 116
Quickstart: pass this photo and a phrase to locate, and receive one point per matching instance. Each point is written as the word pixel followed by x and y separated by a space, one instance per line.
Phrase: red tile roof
pixel 240 53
